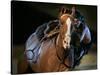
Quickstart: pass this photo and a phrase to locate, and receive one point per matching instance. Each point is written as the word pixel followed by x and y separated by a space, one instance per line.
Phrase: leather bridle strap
pixel 62 60
pixel 67 15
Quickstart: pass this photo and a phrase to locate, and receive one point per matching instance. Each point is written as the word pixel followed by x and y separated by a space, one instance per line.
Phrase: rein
pixel 62 60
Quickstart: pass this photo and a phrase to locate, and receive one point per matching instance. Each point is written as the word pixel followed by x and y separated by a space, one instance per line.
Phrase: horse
pixel 55 51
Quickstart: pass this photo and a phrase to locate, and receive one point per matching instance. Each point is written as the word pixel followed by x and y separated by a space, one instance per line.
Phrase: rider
pixel 83 32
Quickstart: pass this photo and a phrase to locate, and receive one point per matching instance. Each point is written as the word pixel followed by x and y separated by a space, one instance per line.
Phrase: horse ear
pixel 73 11
pixel 62 10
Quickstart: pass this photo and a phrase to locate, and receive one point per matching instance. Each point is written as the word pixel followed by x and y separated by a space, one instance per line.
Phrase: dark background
pixel 27 16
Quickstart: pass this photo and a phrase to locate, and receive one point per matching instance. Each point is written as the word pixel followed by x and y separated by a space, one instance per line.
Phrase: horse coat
pixel 42 32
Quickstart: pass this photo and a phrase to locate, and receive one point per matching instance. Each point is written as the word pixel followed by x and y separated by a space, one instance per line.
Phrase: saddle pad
pixel 32 48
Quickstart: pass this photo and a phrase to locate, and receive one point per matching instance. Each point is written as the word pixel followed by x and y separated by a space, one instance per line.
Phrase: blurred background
pixel 27 16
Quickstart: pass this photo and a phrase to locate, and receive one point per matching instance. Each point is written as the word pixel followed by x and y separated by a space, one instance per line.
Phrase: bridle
pixel 67 15
pixel 67 52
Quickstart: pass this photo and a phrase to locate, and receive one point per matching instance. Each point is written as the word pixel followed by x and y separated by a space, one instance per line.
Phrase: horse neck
pixel 59 47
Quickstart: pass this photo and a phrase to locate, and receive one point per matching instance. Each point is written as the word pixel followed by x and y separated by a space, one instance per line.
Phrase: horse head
pixel 66 19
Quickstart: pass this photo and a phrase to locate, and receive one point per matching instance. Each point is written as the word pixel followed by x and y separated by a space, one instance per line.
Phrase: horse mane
pixel 39 31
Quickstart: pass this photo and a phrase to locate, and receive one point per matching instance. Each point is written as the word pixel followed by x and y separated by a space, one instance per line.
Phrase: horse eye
pixel 62 23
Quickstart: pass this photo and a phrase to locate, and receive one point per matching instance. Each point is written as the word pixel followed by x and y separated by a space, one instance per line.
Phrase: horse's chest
pixel 49 55
pixel 49 58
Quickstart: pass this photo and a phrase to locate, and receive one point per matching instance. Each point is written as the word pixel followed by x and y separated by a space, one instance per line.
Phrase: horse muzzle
pixel 66 43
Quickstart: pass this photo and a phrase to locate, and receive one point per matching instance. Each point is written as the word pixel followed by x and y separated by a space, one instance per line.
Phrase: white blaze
pixel 67 34
pixel 68 23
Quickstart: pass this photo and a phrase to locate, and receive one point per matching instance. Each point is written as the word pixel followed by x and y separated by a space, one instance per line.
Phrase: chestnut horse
pixel 54 52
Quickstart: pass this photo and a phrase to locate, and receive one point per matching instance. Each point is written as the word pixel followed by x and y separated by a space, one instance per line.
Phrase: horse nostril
pixel 64 41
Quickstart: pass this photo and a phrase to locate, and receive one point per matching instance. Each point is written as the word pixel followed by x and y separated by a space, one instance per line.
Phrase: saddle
pixel 52 28
pixel 43 32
